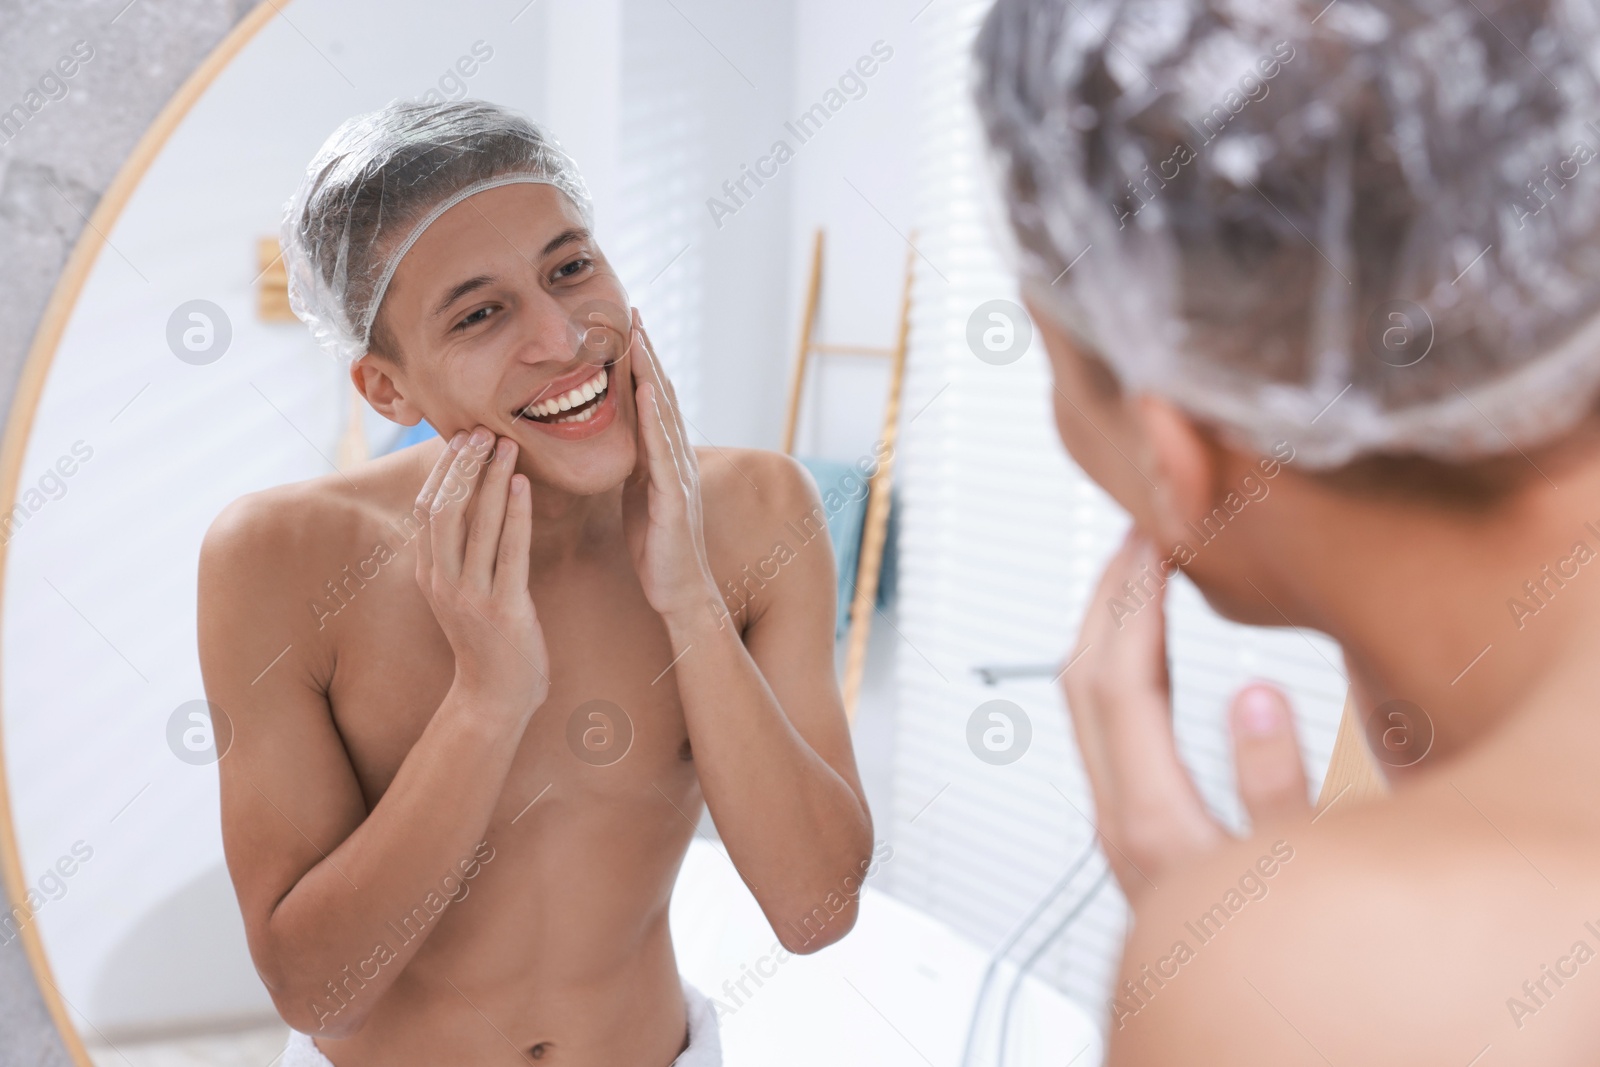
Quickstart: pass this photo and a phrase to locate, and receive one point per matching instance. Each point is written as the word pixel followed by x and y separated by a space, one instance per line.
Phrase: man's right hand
pixel 472 566
pixel 1147 807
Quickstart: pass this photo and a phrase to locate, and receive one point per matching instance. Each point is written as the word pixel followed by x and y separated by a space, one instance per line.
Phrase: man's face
pixel 503 310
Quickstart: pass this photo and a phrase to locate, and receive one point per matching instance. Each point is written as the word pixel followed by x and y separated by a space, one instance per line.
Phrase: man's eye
pixel 577 266
pixel 474 318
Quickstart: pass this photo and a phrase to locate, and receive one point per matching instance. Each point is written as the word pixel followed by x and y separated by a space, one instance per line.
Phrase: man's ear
pixel 1184 463
pixel 374 381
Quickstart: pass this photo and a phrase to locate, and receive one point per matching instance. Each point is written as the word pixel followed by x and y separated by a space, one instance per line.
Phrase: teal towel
pixel 843 489
pixel 411 435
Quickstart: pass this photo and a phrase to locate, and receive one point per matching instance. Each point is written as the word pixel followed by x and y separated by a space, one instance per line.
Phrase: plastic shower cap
pixel 1365 227
pixel 381 179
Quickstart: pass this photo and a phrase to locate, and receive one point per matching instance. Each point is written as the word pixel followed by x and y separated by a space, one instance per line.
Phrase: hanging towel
pixel 843 489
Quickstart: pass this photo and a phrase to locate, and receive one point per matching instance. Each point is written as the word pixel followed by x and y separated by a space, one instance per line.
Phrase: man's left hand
pixel 661 501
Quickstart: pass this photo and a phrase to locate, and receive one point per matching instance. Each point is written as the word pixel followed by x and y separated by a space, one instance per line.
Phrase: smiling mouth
pixel 575 405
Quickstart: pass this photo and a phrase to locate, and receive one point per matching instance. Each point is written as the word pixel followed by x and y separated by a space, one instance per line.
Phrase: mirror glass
pixel 179 385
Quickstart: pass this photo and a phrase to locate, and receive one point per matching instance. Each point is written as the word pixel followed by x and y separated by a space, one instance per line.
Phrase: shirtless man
pixel 1439 513
pixel 461 784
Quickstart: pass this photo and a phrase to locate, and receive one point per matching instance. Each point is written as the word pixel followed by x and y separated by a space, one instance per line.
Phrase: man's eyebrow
pixel 461 290
pixel 481 280
pixel 577 233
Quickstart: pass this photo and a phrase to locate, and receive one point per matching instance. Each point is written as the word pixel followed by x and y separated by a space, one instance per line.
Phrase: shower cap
pixel 1363 227
pixel 379 181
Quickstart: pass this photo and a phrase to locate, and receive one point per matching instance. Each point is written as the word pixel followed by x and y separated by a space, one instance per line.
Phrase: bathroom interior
pixel 874 246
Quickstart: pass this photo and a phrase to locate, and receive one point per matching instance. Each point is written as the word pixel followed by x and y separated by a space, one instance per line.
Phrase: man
pixel 455 806
pixel 1367 271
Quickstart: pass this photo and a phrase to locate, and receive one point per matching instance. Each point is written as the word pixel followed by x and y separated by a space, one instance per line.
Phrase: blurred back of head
pixel 1370 228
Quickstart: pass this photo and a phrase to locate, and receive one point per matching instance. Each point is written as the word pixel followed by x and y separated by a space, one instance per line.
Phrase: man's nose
pixel 600 329
pixel 548 333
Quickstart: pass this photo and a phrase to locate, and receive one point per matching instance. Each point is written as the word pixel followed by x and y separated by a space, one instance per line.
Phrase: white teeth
pixel 582 416
pixel 579 396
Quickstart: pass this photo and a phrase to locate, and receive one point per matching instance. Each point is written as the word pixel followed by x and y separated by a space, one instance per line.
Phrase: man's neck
pixel 1478 621
pixel 566 525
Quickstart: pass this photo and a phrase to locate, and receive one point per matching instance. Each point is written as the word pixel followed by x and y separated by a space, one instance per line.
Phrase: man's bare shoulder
pixel 762 510
pixel 1397 932
pixel 749 492
pixel 753 476
pixel 287 528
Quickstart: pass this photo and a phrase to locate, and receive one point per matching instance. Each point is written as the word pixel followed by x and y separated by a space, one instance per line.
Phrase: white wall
pixel 704 84
pixel 660 103
pixel 854 178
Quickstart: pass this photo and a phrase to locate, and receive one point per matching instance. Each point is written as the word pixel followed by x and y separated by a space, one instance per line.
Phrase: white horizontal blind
pixel 1002 541
pixel 661 147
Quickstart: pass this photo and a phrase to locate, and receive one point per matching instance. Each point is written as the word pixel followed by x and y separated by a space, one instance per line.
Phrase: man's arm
pixel 318 876
pixel 771 742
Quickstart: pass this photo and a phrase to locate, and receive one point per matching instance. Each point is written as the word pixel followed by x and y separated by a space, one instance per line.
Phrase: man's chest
pixel 612 724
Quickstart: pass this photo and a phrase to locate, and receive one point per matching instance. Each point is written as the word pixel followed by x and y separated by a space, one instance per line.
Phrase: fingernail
pixel 1260 712
pixel 479 438
pixel 457 437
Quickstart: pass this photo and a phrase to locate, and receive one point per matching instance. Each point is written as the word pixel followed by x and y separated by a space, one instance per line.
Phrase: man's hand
pixel 661 502
pixel 1147 808
pixel 472 566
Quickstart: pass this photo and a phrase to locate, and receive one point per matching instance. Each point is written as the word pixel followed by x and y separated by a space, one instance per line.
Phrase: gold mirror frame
pixel 19 426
